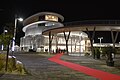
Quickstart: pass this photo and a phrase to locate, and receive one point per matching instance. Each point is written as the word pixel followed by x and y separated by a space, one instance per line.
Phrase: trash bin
pixel 110 63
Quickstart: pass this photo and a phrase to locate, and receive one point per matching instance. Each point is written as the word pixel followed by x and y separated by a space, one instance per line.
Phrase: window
pixel 51 18
pixel 41 24
pixel 41 18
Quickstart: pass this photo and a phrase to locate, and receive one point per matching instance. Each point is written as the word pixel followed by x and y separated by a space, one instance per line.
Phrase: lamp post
pixel 13 41
pixel 100 38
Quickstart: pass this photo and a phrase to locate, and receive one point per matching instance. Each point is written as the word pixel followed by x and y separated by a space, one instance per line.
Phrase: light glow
pixel 5 31
pixel 20 19
pixel 51 18
pixel 13 46
pixel 2 47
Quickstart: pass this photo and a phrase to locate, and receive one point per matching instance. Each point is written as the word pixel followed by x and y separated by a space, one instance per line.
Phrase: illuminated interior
pixel 51 18
pixel 34 39
pixel 78 42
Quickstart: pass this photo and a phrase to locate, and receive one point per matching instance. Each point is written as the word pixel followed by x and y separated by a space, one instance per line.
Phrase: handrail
pixel 93 22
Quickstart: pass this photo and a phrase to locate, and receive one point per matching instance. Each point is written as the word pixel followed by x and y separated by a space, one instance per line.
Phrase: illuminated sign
pixel 51 18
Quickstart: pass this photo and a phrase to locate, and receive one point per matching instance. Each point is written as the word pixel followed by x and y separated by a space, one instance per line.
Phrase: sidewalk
pixel 99 64
pixel 40 68
pixel 102 75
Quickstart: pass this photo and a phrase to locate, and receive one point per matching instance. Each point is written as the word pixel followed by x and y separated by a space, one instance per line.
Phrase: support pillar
pixel 91 37
pixel 71 44
pixel 114 39
pixel 66 39
pixel 50 41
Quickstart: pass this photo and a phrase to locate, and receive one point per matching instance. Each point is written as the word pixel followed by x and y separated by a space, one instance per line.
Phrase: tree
pixel 5 38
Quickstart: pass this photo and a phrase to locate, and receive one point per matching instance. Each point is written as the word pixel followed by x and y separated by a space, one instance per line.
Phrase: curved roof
pixel 47 23
pixel 100 25
pixel 36 16
pixel 76 33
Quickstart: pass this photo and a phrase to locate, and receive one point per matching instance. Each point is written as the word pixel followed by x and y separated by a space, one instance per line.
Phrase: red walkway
pixel 89 71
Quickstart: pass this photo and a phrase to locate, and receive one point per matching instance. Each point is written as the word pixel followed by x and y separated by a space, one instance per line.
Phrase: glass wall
pixel 78 42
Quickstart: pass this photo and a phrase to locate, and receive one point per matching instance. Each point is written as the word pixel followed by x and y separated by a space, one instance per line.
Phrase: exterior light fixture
pixel 100 38
pixel 13 41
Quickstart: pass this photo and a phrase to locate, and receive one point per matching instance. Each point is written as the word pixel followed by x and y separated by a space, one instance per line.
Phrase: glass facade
pixel 78 41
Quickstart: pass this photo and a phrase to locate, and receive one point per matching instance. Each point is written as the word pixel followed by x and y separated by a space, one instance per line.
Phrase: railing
pixel 93 22
pixel 105 44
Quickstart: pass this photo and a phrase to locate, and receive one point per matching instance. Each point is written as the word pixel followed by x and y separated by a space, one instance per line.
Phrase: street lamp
pixel 13 41
pixel 100 38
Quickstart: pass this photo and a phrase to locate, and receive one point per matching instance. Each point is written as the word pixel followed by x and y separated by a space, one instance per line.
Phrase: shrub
pixel 2 61
pixel 19 66
pixel 11 63
pixel 1 64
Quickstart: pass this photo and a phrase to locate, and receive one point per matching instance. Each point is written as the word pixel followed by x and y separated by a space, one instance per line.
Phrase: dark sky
pixel 72 10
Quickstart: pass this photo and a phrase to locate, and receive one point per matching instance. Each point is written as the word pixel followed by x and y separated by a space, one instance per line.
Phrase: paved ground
pixel 99 64
pixel 40 68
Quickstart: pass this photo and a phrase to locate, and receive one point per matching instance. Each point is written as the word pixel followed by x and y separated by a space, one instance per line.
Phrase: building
pixel 46 31
pixel 35 40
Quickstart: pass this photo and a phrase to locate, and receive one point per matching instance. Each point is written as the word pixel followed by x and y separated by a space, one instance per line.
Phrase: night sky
pixel 72 11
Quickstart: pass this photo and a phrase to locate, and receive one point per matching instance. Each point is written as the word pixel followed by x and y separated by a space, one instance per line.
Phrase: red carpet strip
pixel 89 71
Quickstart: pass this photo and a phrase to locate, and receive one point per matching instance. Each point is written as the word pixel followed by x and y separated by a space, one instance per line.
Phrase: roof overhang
pixel 82 28
pixel 48 24
pixel 35 16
